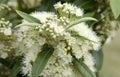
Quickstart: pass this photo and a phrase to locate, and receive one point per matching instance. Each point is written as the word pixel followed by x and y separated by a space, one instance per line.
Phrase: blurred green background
pixel 111 66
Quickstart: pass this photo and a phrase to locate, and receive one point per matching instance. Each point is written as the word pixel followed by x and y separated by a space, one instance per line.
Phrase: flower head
pixel 67 42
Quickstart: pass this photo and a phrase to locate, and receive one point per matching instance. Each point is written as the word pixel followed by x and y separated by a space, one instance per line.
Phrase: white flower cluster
pixel 29 43
pixel 5 27
pixel 2 53
pixel 5 33
pixel 68 10
pixel 75 41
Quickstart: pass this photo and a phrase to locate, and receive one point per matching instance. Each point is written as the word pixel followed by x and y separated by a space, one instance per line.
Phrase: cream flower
pixel 52 31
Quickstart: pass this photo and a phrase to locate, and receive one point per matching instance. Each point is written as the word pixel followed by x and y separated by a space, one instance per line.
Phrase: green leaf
pixel 89 14
pixel 83 69
pixel 27 17
pixel 16 69
pixel 98 56
pixel 115 6
pixel 5 62
pixel 42 60
pixel 28 24
pixel 96 16
pixel 85 4
pixel 80 21
pixel 47 5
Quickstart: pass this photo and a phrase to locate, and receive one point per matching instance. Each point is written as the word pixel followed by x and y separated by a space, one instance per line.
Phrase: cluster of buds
pixel 5 27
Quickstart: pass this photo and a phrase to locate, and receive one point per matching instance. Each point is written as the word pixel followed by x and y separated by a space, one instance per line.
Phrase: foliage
pixel 115 7
pixel 53 47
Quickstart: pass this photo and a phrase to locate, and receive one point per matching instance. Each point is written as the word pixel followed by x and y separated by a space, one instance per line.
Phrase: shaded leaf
pixel 47 5
pixel 98 56
pixel 115 7
pixel 28 17
pixel 83 69
pixel 85 4
pixel 76 72
pixel 5 62
pixel 96 16
pixel 89 14
pixel 42 60
pixel 16 69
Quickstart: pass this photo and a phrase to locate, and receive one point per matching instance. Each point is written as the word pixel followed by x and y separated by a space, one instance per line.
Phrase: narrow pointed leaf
pixel 98 56
pixel 42 60
pixel 27 17
pixel 16 69
pixel 83 69
pixel 115 7
pixel 89 14
pixel 28 24
pixel 80 21
pixel 76 72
